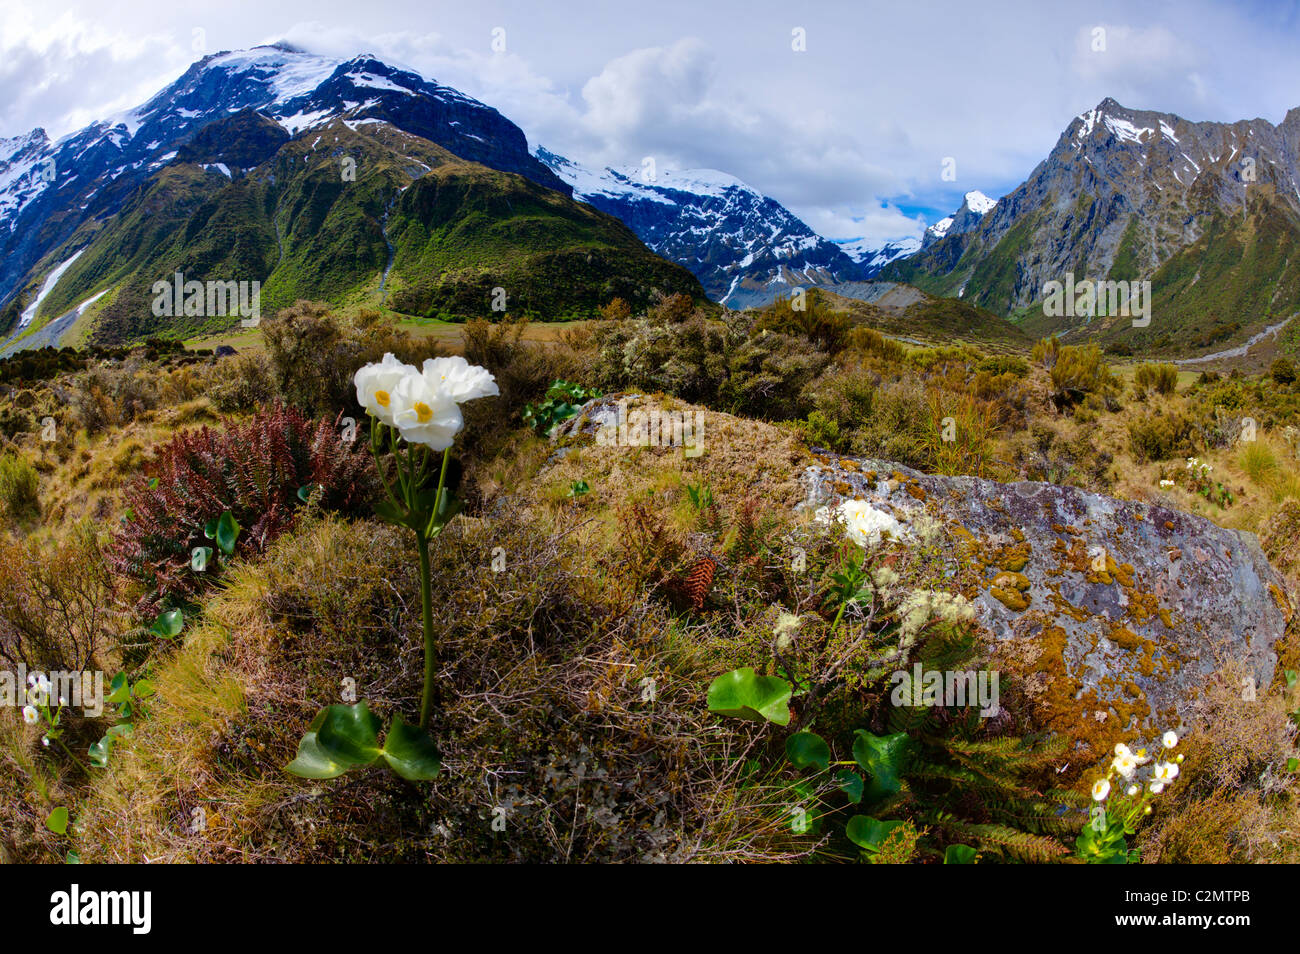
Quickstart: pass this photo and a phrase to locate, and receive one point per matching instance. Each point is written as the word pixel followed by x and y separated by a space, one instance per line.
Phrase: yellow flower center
pixel 382 398
pixel 423 412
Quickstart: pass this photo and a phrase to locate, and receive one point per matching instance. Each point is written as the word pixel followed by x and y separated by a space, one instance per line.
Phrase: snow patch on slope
pixel 51 280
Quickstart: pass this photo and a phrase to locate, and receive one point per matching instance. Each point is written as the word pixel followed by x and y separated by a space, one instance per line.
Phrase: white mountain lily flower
pixel 1100 790
pixel 30 715
pixel 1170 740
pixel 425 416
pixel 458 379
pixel 377 384
pixel 865 524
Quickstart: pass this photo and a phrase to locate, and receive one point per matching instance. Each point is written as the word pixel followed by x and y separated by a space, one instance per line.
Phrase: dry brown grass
pixel 543 710
pixel 1234 801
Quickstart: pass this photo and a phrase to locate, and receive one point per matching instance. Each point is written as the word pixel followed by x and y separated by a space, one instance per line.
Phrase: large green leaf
pixel 350 734
pixel 57 821
pixel 121 690
pixel 869 833
pixel 98 752
pixel 227 533
pixel 851 784
pixel 881 757
pixel 959 855
pixel 389 512
pixel 744 694
pixel 447 510
pixel 168 625
pixel 805 749
pixel 311 761
pixel 200 557
pixel 410 752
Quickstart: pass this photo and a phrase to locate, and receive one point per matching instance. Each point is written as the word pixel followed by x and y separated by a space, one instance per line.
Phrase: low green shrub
pixel 1161 378
pixel 19 488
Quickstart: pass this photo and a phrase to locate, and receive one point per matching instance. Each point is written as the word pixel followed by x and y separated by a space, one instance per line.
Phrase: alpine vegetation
pixel 414 414
pixel 1088 299
pixel 213 299
pixel 379 486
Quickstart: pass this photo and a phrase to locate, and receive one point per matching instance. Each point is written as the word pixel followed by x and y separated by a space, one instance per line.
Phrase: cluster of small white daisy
pixel 1198 468
pixel 1124 767
pixel 38 705
pixel 423 404
pixel 1166 484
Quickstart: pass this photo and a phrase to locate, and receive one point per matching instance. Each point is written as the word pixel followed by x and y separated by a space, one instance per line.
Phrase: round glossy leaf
pixel 311 761
pixel 169 624
pixel 881 757
pixel 349 734
pixel 852 784
pixel 57 821
pixel 98 752
pixel 121 690
pixel 447 510
pixel 389 512
pixel 808 749
pixel 410 752
pixel 744 694
pixel 227 533
pixel 869 833
pixel 959 855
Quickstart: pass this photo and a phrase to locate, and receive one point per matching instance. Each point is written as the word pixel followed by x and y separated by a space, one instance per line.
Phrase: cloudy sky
pixel 850 131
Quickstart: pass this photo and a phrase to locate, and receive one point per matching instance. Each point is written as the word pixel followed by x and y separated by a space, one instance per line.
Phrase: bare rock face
pixel 1110 613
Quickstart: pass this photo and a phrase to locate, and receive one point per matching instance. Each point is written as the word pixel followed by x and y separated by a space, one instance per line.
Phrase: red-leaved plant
pixel 254 469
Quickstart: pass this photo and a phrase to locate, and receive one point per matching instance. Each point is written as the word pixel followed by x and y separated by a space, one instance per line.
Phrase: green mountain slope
pixel 465 229
pixel 351 213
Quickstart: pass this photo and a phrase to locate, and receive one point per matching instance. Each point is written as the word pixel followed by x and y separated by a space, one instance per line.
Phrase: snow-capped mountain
pixel 873 256
pixel 47 190
pixel 744 247
pixel 1208 211
pixel 975 205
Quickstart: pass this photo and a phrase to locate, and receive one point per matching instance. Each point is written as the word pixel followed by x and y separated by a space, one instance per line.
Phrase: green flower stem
pixel 412 483
pixel 412 467
pixel 426 607
pixel 442 482
pixel 76 760
pixel 397 459
pixel 376 440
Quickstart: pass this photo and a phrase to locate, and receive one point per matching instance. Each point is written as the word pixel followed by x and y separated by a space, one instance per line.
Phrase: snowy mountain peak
pixel 874 255
pixel 979 203
pixel 744 247
pixel 939 229
pixel 90 172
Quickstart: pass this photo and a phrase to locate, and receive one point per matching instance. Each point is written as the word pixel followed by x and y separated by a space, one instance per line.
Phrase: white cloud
pixel 842 133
